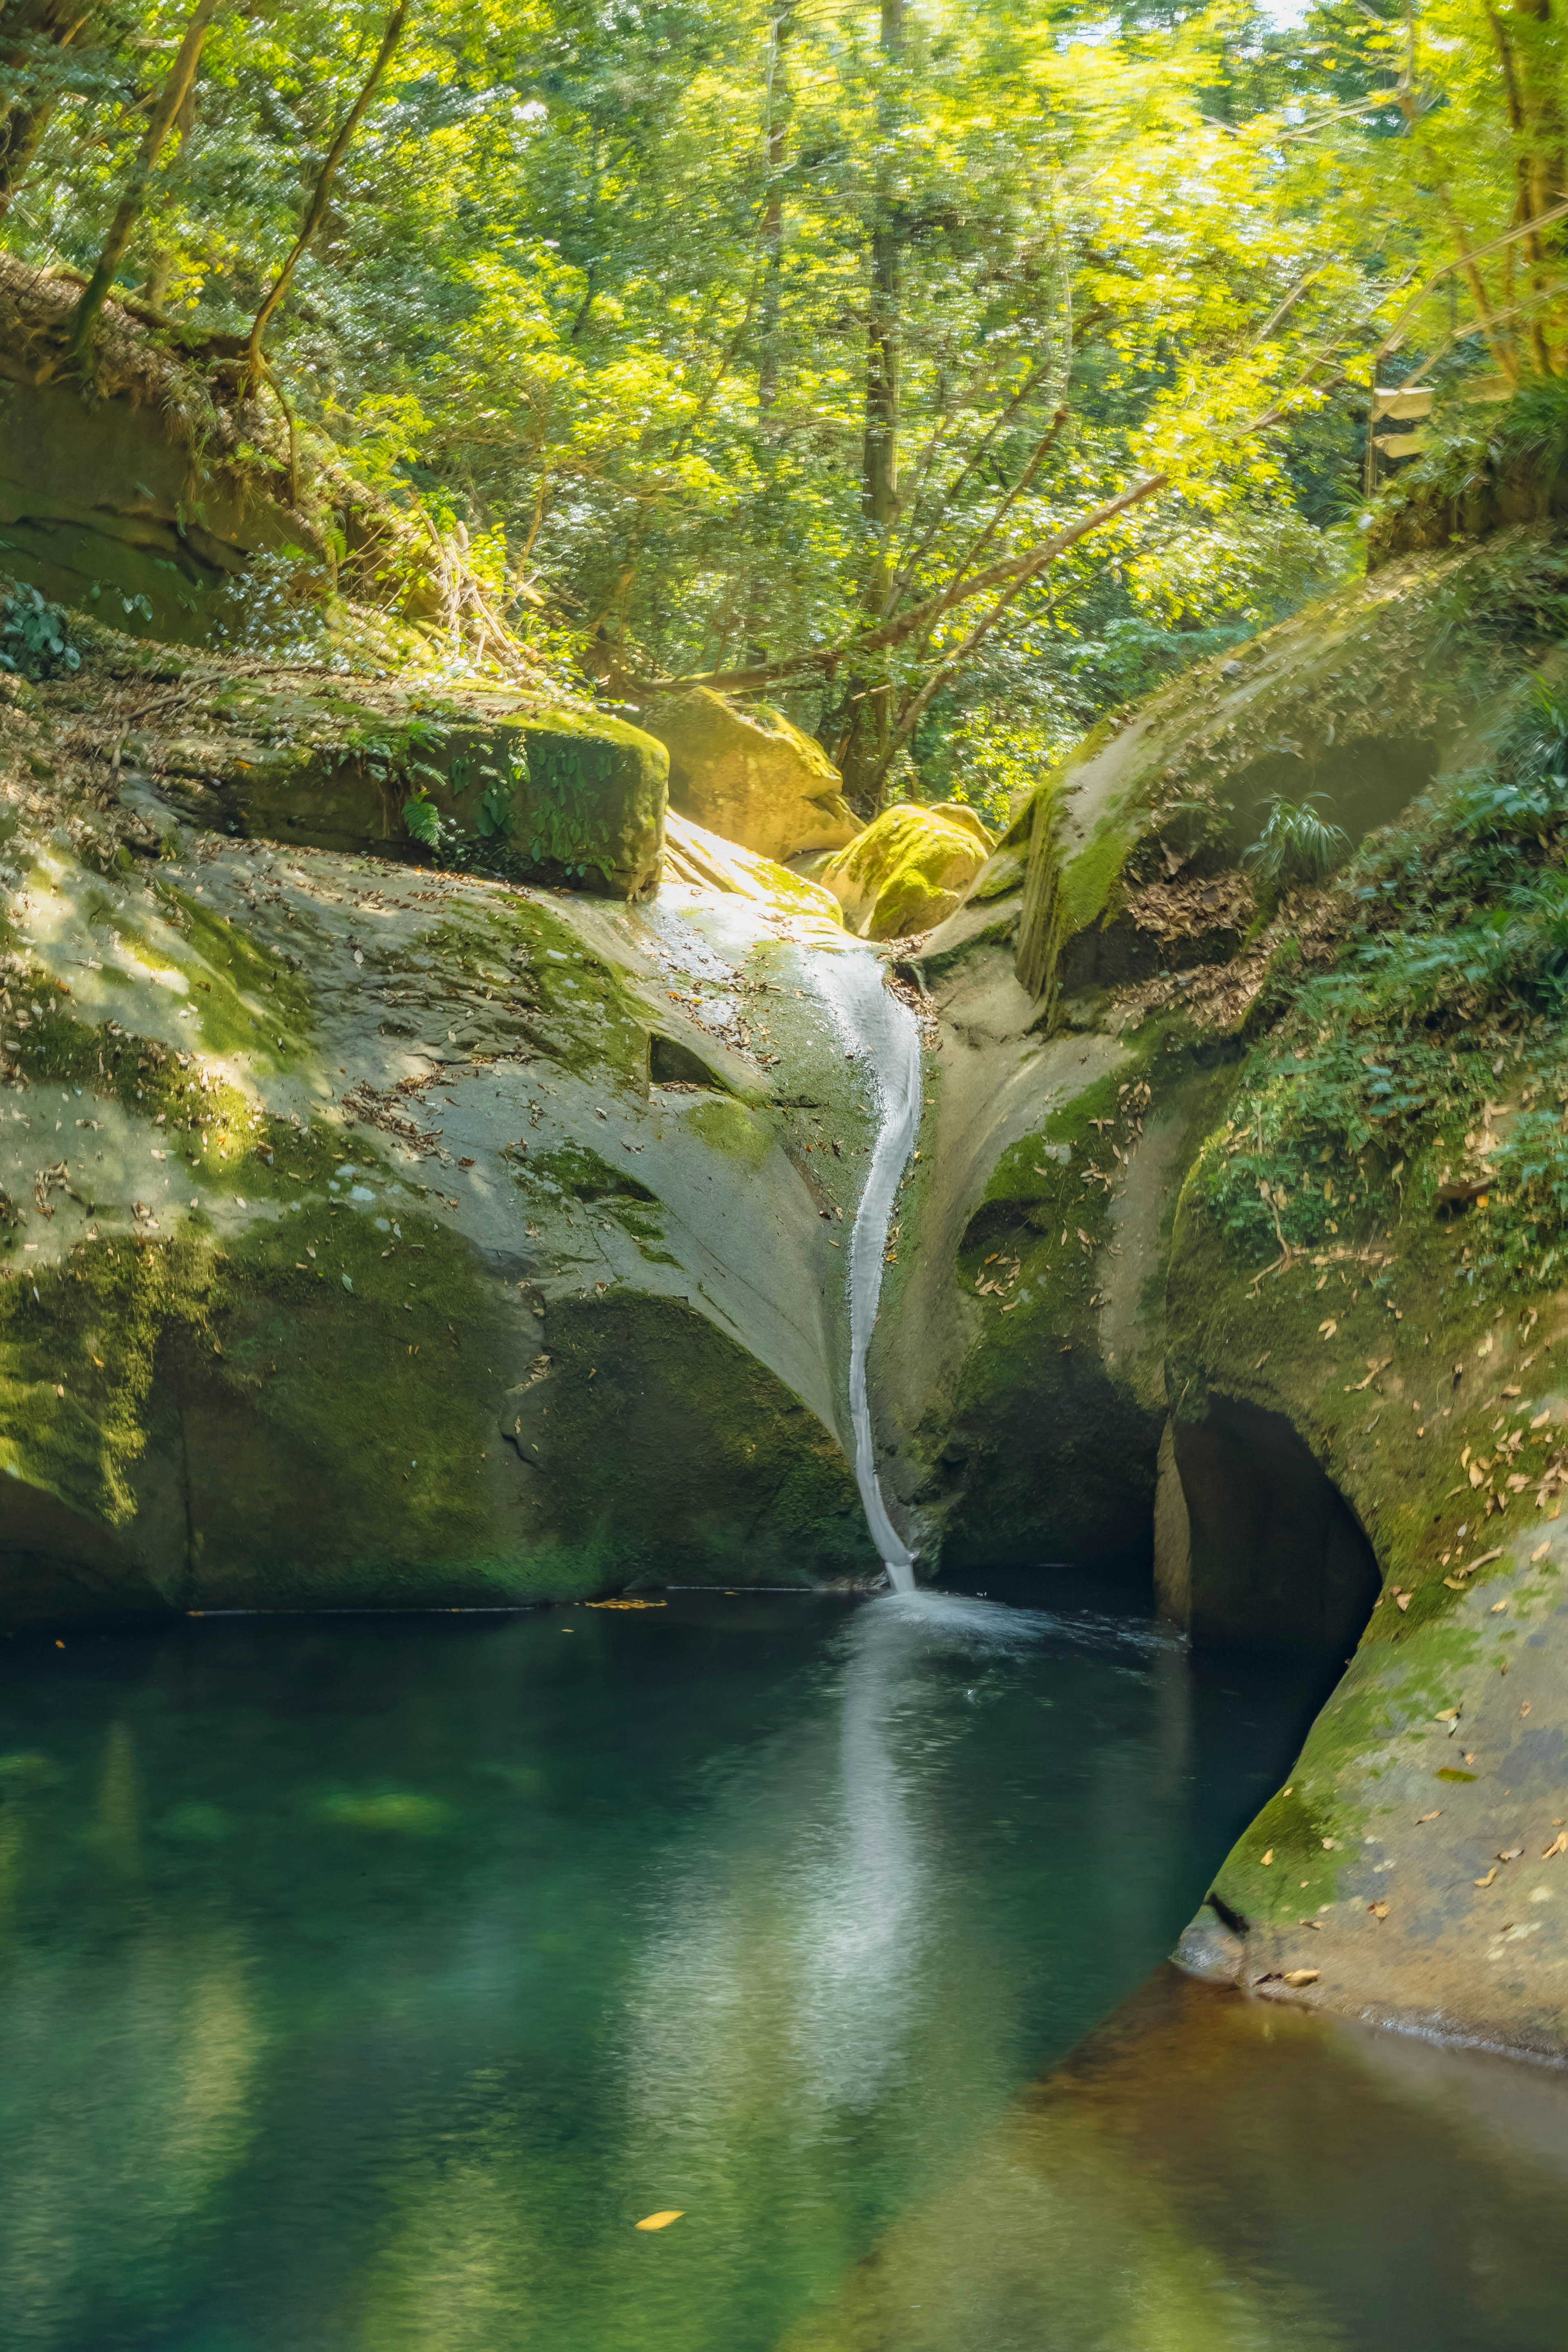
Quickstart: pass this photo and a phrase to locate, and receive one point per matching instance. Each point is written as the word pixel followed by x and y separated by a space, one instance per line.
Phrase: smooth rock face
pixel 751 776
pixel 909 870
pixel 374 1236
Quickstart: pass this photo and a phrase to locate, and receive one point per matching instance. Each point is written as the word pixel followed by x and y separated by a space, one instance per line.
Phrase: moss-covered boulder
pixel 157 500
pixel 485 783
pixel 751 775
pixel 1354 706
pixel 908 870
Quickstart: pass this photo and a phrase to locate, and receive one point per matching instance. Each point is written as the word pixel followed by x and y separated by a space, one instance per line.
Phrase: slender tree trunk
pixel 879 462
pixel 172 97
pixel 1528 36
pixel 315 212
pixel 773 211
pixel 27 29
pixel 865 716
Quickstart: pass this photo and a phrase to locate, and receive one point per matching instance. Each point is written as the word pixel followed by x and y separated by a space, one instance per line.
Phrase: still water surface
pixel 363 1983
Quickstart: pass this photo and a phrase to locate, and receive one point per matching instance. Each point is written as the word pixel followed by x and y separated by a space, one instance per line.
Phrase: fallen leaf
pixel 1559 1845
pixel 1474 1473
pixel 1512 1855
pixel 1298 1977
pixel 1510 1391
pixel 1489 1878
pixel 1448 1715
pixel 659 2220
pixel 1429 1816
pixel 1524 1708
pixel 1327 1330
pixel 1403 1599
pixel 1538 1553
pixel 1541 1420
pixel 1378 1910
pixel 1269 1858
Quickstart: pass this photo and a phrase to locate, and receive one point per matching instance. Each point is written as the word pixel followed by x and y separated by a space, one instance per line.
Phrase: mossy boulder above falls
pixel 749 774
pixel 908 870
pixel 488 782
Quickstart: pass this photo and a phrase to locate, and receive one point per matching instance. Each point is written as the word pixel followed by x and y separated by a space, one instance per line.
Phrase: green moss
pixel 79 1351
pixel 576 1007
pixel 906 871
pixel 252 1004
pixel 729 1127
pixel 667 1453
pixel 1089 878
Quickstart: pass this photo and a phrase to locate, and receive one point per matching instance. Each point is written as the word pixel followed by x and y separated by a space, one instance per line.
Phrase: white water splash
pixel 877 1026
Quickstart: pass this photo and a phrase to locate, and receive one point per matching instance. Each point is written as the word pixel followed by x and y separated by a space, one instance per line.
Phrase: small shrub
pixel 34 636
pixel 1296 845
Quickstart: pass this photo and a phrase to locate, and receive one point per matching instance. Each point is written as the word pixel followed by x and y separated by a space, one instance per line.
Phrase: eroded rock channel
pixel 454 1213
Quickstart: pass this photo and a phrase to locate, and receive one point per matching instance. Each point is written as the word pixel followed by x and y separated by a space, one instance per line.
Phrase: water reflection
pixel 360 1986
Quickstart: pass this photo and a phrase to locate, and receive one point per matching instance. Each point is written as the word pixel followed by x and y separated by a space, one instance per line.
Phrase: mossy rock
pixel 750 775
pixel 909 870
pixel 478 783
pixel 1361 703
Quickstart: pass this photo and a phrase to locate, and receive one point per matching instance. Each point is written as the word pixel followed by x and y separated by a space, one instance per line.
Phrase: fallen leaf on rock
pixel 1559 1845
pixel 1378 1910
pixel 1489 1878
pixel 1297 1977
pixel 1538 1553
pixel 1429 1816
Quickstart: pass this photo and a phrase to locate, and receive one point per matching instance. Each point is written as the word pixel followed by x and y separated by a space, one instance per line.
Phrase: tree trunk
pixel 29 28
pixel 175 91
pixel 316 209
pixel 1528 38
pixel 773 210
pixel 864 717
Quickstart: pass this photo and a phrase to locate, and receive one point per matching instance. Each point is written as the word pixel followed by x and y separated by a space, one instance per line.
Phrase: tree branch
pixel 175 91
pixel 887 634
pixel 324 188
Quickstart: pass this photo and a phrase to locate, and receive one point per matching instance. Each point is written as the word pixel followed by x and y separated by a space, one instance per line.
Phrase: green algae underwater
pixel 364 1983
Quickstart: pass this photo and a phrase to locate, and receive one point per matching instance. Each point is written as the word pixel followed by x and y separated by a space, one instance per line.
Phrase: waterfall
pixel 885 1030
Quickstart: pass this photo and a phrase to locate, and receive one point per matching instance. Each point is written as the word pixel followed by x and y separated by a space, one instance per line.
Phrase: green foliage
pixel 34 636
pixel 592 304
pixel 1454 969
pixel 422 820
pixel 1296 845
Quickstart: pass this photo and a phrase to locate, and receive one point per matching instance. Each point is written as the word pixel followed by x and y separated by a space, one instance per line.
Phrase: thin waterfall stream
pixel 887 1034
